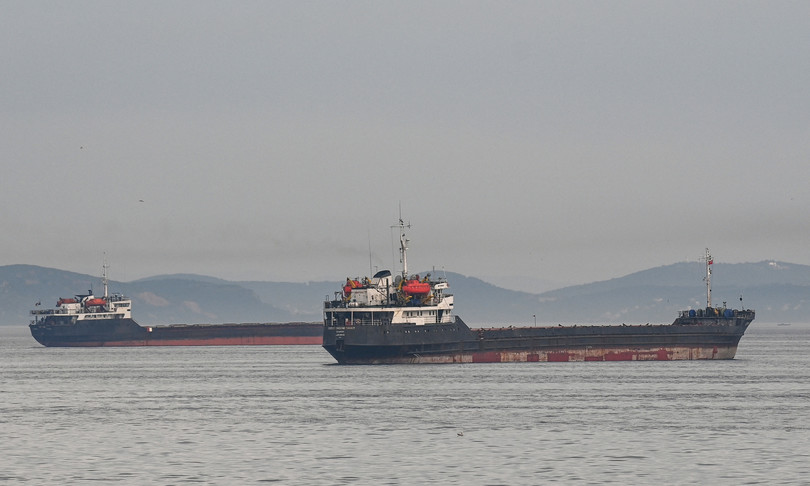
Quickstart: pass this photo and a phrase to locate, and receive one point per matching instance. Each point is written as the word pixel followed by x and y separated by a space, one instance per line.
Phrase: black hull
pixel 703 338
pixel 66 331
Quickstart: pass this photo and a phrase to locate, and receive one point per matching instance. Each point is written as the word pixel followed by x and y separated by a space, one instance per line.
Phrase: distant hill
pixel 157 300
pixel 780 292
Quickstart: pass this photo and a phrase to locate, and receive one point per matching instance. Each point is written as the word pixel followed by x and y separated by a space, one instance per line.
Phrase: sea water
pixel 289 415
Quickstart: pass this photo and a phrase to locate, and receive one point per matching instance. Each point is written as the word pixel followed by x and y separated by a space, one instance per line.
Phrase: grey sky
pixel 571 141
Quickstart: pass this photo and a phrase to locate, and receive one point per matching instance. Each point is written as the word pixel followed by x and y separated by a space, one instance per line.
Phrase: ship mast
pixel 104 281
pixel 403 248
pixel 708 278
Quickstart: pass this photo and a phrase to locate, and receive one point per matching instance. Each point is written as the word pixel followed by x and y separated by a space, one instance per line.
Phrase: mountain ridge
pixel 779 291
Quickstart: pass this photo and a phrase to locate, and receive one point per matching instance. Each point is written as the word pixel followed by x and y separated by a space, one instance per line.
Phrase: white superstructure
pixel 89 307
pixel 404 299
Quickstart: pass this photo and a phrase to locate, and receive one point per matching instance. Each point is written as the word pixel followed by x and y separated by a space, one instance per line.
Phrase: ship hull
pixel 456 343
pixel 66 331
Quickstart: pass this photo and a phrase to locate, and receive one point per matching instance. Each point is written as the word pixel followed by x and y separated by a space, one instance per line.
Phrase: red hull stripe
pixel 247 341
pixel 672 353
pixel 660 354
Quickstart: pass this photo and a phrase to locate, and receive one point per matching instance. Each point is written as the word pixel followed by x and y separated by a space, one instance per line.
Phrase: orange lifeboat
pixel 95 302
pixel 351 284
pixel 415 287
pixel 65 301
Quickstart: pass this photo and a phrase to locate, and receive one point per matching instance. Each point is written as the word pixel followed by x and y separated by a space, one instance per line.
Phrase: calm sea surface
pixel 287 415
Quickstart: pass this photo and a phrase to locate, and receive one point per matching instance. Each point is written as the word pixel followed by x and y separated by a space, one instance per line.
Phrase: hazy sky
pixel 272 140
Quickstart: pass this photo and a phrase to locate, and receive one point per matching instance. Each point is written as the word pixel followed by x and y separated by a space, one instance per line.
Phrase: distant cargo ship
pixel 87 320
pixel 408 319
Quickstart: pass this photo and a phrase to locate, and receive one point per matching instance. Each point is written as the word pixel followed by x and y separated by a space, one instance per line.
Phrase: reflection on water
pixel 287 414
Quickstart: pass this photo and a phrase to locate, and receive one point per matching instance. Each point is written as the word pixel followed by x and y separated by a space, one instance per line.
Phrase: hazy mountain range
pixel 778 291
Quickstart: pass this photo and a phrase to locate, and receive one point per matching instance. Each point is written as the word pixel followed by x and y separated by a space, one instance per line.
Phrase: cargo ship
pixel 86 320
pixel 408 319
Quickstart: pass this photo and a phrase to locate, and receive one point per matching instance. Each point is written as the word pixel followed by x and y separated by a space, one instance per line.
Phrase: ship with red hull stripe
pixel 90 321
pixel 392 320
